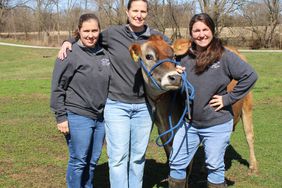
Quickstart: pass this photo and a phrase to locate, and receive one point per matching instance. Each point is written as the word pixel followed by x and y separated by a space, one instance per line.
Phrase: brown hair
pixel 215 48
pixel 84 18
pixel 130 2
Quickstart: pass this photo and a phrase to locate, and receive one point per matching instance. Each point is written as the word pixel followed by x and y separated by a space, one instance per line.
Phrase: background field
pixel 34 154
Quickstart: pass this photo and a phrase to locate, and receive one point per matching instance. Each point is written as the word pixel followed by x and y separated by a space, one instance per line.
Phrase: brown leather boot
pixel 221 185
pixel 175 183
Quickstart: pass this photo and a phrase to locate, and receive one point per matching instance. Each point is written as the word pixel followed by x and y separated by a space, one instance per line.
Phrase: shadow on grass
pixel 101 179
pixel 198 177
pixel 155 174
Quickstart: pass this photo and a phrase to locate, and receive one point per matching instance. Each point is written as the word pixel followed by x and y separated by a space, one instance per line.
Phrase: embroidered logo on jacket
pixel 215 65
pixel 105 62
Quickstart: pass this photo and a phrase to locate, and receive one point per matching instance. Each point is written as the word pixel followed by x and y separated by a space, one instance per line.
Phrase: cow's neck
pixel 153 95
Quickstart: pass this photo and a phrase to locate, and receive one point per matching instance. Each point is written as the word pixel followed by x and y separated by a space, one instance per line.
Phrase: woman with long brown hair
pixel 210 67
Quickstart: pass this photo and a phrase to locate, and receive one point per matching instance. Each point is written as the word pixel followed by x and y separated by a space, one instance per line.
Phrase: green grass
pixel 34 154
pixel 267 125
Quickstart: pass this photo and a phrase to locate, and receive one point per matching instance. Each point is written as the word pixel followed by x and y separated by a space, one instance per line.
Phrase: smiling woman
pixel 127 113
pixel 137 12
pixel 79 115
pixel 210 67
pixel 88 30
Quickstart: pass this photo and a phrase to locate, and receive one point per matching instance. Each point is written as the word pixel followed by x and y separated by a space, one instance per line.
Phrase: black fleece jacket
pixel 126 83
pixel 80 83
pixel 214 81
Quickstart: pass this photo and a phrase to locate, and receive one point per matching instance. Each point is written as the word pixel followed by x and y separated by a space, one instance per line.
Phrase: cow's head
pixel 151 53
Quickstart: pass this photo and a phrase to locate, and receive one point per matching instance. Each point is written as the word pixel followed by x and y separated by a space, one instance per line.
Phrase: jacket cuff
pixel 61 119
pixel 226 100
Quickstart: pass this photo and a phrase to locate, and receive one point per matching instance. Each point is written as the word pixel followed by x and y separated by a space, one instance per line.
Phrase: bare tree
pixel 6 6
pixel 178 18
pixel 70 23
pixel 24 22
pixel 57 22
pixel 121 12
pixel 219 9
pixel 171 16
pixel 157 15
pixel 42 19
pixel 263 18
pixel 3 8
pixel 110 10
pixel 273 8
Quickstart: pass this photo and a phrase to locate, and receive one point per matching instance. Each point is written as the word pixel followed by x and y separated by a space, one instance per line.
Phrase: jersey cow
pixel 168 80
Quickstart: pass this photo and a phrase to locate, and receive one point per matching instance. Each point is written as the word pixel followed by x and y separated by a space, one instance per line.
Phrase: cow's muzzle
pixel 175 79
pixel 171 81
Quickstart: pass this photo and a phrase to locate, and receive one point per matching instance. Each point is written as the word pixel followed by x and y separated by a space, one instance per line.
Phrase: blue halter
pixel 186 87
pixel 149 73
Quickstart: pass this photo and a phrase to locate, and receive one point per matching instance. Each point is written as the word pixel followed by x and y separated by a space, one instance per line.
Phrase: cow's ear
pixel 135 51
pixel 181 46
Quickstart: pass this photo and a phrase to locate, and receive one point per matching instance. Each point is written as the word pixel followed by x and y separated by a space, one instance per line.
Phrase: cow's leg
pixel 175 183
pixel 167 149
pixel 247 118
pixel 164 139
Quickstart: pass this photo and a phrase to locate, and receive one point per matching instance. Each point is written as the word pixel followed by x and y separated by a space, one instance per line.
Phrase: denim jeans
pixel 214 139
pixel 85 143
pixel 128 128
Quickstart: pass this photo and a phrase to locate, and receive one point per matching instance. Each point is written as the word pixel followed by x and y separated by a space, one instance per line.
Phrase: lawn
pixel 34 154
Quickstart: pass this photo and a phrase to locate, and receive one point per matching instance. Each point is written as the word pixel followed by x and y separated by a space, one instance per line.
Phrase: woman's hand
pixel 180 69
pixel 63 127
pixel 63 51
pixel 216 102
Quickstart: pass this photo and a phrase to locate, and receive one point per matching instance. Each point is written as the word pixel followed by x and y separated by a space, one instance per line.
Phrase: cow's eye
pixel 149 57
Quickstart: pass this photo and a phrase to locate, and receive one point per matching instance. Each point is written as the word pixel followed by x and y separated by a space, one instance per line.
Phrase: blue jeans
pixel 85 143
pixel 214 139
pixel 128 128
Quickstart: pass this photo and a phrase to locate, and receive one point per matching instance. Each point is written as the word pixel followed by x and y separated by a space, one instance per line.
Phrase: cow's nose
pixel 175 79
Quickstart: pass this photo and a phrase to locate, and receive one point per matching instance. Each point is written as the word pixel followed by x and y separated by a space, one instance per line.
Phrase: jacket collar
pixel 96 49
pixel 145 33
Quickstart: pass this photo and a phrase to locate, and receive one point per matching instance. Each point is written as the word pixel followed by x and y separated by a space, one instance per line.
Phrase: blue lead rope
pixel 190 93
pixel 186 87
